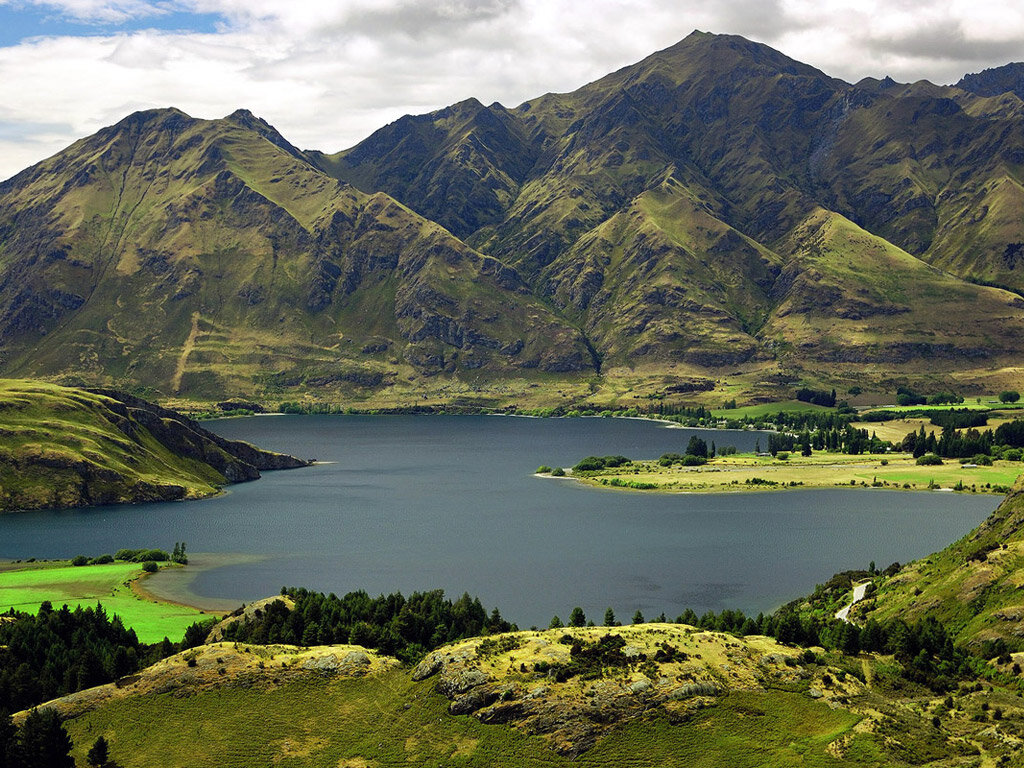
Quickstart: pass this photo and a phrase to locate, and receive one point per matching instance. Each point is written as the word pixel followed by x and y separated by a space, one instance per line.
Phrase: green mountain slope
pixel 778 214
pixel 717 209
pixel 202 257
pixel 973 586
pixel 65 447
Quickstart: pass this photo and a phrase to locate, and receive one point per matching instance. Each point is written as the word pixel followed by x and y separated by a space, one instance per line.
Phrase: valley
pixel 765 277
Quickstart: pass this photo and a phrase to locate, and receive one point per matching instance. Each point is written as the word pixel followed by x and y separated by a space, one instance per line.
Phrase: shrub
pixel 782 455
pixel 595 463
pixel 102 560
pixel 150 567
pixel 689 460
pixel 80 560
pixel 928 460
pixel 543 469
pixel 558 472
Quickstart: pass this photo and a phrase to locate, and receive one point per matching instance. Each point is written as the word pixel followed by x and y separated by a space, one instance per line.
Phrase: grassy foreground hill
pixel 665 695
pixel 66 447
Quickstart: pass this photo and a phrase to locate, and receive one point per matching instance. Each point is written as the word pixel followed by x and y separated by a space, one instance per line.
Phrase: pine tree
pixel 98 753
pixel 9 748
pixel 44 742
pixel 638 617
pixel 609 618
pixel 577 618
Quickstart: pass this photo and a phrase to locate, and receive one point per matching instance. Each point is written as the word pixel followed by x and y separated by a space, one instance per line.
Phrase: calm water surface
pixel 422 502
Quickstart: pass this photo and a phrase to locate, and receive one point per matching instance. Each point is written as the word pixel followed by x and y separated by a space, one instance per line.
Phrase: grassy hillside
pixel 691 698
pixel 973 586
pixel 66 447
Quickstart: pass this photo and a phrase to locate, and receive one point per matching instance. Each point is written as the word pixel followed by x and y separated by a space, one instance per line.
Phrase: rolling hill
pixel 66 447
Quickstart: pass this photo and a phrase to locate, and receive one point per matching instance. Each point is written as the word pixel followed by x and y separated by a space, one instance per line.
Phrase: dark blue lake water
pixel 424 502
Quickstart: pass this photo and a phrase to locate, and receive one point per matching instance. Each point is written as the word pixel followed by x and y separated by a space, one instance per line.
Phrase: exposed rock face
pixel 572 685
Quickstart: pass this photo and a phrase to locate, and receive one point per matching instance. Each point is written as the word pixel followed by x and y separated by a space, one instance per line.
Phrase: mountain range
pixel 715 217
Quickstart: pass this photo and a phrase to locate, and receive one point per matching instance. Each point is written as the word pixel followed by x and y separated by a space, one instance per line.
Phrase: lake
pixel 422 502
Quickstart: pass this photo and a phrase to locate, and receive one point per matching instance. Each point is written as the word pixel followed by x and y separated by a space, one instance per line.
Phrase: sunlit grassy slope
pixel 61 446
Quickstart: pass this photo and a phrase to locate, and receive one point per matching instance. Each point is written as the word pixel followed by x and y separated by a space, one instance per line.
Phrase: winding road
pixel 858 594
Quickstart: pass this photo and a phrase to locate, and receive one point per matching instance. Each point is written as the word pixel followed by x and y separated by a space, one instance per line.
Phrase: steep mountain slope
pixel 199 257
pixel 65 447
pixel 790 208
pixel 717 209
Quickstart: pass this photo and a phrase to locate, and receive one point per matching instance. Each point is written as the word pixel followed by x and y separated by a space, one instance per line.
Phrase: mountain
pixel 717 211
pixel 66 447
pixel 199 257
pixel 996 81
pixel 719 203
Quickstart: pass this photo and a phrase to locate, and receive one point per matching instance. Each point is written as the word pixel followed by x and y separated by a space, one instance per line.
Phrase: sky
pixel 327 73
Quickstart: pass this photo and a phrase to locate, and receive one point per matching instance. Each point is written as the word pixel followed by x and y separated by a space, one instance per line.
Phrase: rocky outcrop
pixel 571 686
pixel 238 461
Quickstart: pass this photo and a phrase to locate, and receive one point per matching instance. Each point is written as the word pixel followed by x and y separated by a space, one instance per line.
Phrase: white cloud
pixel 326 73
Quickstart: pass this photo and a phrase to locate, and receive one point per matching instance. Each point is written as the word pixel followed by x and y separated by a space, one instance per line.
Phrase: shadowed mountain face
pixel 720 203
pixel 715 205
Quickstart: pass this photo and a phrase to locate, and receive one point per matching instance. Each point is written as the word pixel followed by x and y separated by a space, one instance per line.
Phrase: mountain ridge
pixel 717 204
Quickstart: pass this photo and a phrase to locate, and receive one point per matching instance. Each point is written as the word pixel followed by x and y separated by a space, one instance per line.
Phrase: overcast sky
pixel 327 73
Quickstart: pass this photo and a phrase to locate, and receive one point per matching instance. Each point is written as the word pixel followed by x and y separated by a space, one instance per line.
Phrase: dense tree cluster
pixel 60 651
pixel 596 463
pixel 817 397
pixel 393 624
pixel 41 742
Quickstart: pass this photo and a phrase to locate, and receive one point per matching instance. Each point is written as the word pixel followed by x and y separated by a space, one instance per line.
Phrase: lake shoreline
pixel 173 586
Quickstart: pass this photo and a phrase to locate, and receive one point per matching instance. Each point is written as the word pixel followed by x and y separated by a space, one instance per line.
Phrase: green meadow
pixel 24 589
pixel 387 720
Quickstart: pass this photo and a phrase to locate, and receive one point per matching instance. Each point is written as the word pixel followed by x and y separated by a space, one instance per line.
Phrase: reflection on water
pixel 423 502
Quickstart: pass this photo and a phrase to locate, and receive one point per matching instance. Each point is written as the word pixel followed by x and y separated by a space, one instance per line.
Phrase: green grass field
pixel 741 472
pixel 387 720
pixel 24 589
pixel 766 409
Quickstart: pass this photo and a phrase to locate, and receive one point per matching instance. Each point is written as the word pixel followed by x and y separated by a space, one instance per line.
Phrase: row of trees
pixel 406 627
pixel 1005 441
